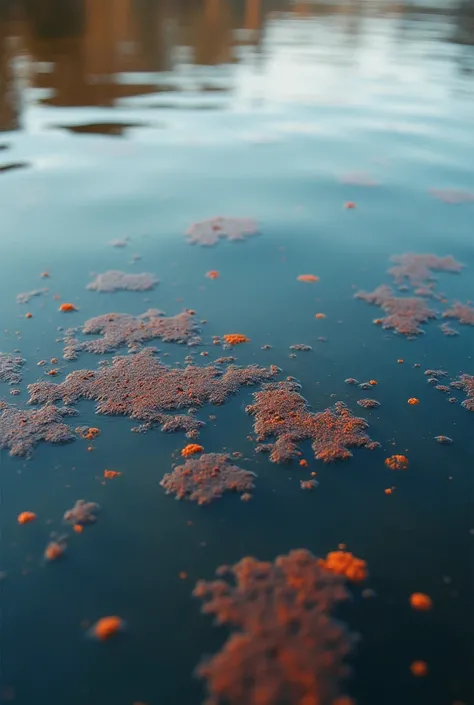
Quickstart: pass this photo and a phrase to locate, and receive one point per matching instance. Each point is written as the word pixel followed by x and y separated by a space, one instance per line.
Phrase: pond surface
pixel 130 120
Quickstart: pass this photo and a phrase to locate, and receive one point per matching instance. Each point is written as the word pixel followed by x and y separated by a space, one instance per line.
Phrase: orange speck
pixel 54 551
pixel 26 517
pixel 373 382
pixel 236 338
pixel 53 360
pixel 420 601
pixel 309 278
pixel 45 275
pixel 110 474
pixel 400 361
pixel 183 575
pixel 106 627
pixel 349 205
pixel 53 372
pixel 378 321
pixel 419 668
pixel 397 462
pixel 342 546
pixel 89 448
pixel 67 307
pixel 28 315
pixel 413 400
pixel 191 449
pixel 313 474
pixel 304 463
pixel 213 274
pixel 78 528
pixel 320 315
pixel 388 490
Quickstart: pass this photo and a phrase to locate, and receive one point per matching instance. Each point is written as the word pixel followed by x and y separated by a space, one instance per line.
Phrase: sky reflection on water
pixel 134 118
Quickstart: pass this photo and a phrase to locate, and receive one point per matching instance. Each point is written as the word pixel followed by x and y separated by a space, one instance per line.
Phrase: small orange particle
pixel 213 274
pixel 413 400
pixel 28 315
pixel 400 361
pixel 54 551
pixel 349 205
pixel 320 315
pixel 89 448
pixel 78 528
pixel 183 575
pixel 236 338
pixel 304 463
pixel 26 517
pixel 313 474
pixel 191 449
pixel 45 275
pixel 373 382
pixel 388 490
pixel 110 474
pixel 309 278
pixel 378 321
pixel 419 668
pixel 397 462
pixel 53 372
pixel 420 601
pixel 67 307
pixel 106 627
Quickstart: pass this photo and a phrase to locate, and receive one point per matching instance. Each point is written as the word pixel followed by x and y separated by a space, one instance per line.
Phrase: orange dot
pixel 191 449
pixel 320 315
pixel 45 275
pixel 54 551
pixel 349 205
pixel 107 627
pixel 419 668
pixel 413 401
pixel 26 517
pixel 304 463
pixel 388 490
pixel 400 361
pixel 212 274
pixel 28 315
pixel 373 382
pixel 78 528
pixel 420 601
pixel 67 307
pixel 183 575
pixel 309 278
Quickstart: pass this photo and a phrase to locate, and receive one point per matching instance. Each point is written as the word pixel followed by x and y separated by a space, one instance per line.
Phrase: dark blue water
pixel 247 112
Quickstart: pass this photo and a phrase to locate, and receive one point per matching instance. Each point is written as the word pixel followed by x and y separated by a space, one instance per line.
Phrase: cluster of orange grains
pixel 212 274
pixel 67 308
pixel 413 401
pixel 345 563
pixel 191 449
pixel 397 462
pixel 236 338
pixel 110 474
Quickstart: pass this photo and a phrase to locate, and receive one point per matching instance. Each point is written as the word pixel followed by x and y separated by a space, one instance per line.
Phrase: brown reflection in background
pixel 79 49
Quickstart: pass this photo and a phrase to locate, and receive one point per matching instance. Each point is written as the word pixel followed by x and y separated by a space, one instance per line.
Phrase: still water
pixel 130 119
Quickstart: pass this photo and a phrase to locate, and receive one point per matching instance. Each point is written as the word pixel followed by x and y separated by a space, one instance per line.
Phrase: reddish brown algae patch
pixel 286 647
pixel 462 312
pixel 206 478
pixel 207 233
pixel 281 412
pixel 10 368
pixel 466 384
pixel 404 314
pixel 21 431
pixel 418 269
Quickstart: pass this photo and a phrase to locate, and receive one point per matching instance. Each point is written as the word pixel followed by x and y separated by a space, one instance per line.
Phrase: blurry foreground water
pixel 132 119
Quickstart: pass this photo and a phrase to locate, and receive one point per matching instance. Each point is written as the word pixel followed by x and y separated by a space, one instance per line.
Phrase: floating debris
pixel 346 564
pixel 26 517
pixel 286 644
pixel 448 330
pixel 365 385
pixel 349 205
pixel 351 380
pixel 82 513
pixel 115 280
pixel 119 243
pixel 452 196
pixel 413 401
pixel 369 403
pixel 111 474
pixel 246 497
pixel 208 232
pixel 55 548
pixel 435 373
pixel 404 313
pixel 300 347
pixel 106 627
pixel 21 431
pixel 462 312
pixel 308 278
pixel 191 449
pixel 206 478
pixel 67 308
pixel 466 383
pixel 122 329
pixel 420 601
pixel 235 339
pixel 309 484
pixel 442 388
pixel 141 387
pixel 10 368
pixel 397 462
pixel 444 440
pixel 320 315
pixel 212 274
pixel 27 295
pixel 280 411
pixel 418 269
pixel 28 315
